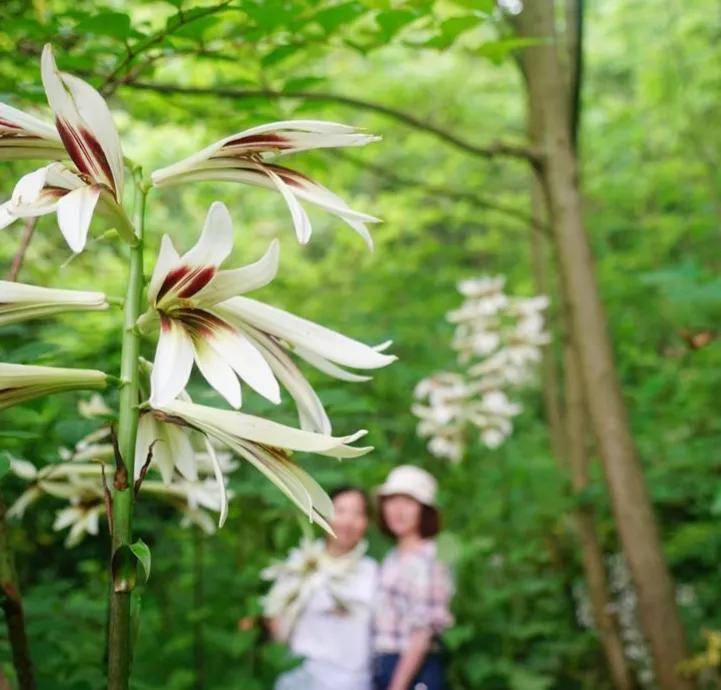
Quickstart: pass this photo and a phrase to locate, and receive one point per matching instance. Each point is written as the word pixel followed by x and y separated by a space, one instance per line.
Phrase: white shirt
pixel 333 633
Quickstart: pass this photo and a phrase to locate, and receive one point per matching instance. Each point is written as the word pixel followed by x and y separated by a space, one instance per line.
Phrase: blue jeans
pixel 430 676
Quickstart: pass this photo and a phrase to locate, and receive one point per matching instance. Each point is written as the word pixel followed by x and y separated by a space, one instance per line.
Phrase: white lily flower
pixel 86 129
pixel 95 406
pixel 22 382
pixel 231 338
pixel 172 449
pixel 25 136
pixel 183 294
pixel 243 157
pixel 81 485
pixel 82 519
pixel 20 302
pixel 265 445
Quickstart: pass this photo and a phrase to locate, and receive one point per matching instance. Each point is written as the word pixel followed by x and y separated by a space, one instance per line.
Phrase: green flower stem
pixel 119 627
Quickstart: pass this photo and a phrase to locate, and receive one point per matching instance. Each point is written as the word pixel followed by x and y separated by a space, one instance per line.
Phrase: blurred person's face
pixel 402 515
pixel 350 519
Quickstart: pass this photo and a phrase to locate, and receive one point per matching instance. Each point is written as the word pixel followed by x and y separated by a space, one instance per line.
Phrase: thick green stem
pixel 119 638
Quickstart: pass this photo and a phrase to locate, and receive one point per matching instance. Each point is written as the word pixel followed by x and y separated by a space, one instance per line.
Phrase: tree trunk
pixel 12 605
pixel 631 504
pixel 591 551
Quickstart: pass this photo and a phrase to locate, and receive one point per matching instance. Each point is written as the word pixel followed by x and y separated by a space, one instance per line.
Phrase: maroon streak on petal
pixel 290 177
pixel 261 141
pixel 173 277
pixel 165 323
pixel 75 147
pixel 99 156
pixel 185 281
pixel 199 279
pixel 202 323
pixel 8 124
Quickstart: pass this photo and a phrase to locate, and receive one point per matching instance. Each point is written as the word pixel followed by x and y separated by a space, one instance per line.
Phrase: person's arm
pixel 411 659
pixel 277 629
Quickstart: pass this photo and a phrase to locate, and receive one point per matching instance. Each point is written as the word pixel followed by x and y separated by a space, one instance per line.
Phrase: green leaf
pixel 498 51
pixel 334 17
pixel 114 24
pixel 124 565
pixel 142 552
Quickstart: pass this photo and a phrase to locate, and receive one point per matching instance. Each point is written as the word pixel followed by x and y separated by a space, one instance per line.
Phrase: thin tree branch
pixel 17 263
pixel 112 80
pixel 494 150
pixel 574 43
pixel 448 192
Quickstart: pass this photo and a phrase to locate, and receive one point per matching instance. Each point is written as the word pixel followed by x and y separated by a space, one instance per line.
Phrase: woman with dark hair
pixel 321 602
pixel 414 587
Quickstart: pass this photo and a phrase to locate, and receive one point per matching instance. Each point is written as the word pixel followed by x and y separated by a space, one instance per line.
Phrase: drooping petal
pixel 75 211
pixel 329 368
pixel 293 481
pixel 298 331
pixel 180 449
pixel 227 284
pixel 257 174
pixel 301 222
pixel 237 350
pixel 311 413
pixel 217 372
pixel 228 424
pixel 220 479
pixel 85 125
pixel 216 240
pixel 173 362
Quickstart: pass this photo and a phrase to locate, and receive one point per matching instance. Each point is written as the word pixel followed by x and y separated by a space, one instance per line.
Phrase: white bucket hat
pixel 411 481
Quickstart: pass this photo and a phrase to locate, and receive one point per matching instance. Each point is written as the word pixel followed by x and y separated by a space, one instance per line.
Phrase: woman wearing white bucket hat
pixel 414 590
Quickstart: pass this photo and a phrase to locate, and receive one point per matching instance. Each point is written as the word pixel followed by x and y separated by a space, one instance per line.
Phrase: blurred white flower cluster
pixel 295 580
pixel 498 340
pixel 78 481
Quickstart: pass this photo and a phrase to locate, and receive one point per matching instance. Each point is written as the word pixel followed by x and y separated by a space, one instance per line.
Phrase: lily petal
pixel 75 211
pixel 15 120
pixel 85 124
pixel 329 368
pixel 293 481
pixel 168 257
pixel 301 222
pixel 227 284
pixel 298 331
pixel 217 372
pixel 216 240
pixel 220 479
pixel 173 362
pixel 228 425
pixel 237 350
pixel 311 413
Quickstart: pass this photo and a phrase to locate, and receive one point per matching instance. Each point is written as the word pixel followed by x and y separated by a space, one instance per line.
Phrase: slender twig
pixel 19 257
pixel 181 20
pixel 450 193
pixel 494 150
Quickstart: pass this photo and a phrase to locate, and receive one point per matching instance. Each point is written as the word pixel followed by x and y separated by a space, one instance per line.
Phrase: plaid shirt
pixel 414 592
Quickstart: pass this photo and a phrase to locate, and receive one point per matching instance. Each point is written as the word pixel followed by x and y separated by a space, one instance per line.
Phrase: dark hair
pixel 430 520
pixel 350 489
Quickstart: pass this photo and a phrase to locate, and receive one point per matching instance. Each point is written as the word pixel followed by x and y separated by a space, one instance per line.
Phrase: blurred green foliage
pixel 651 152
